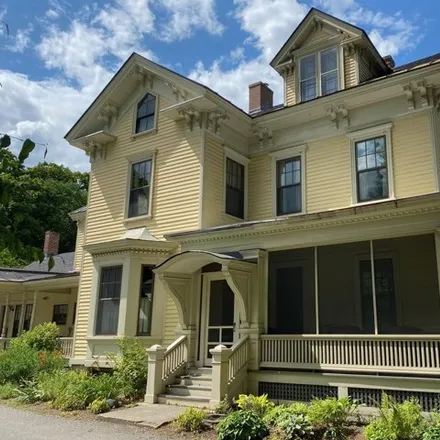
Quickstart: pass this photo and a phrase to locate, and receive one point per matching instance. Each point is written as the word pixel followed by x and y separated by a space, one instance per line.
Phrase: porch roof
pixel 190 261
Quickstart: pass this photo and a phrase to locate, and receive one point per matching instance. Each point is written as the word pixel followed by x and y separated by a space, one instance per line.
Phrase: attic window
pixel 146 111
pixel 319 74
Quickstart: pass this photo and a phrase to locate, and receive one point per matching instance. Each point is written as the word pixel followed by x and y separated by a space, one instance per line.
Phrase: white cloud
pixel 186 16
pixel 21 40
pixel 52 14
pixel 237 54
pixel 44 111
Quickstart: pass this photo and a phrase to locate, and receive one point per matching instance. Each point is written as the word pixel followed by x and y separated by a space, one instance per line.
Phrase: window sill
pixel 102 337
pixel 294 214
pixel 134 136
pixel 372 202
pixel 139 218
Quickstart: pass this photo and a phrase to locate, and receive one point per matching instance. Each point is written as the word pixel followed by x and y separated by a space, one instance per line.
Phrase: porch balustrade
pixel 66 345
pixel 175 358
pixel 364 353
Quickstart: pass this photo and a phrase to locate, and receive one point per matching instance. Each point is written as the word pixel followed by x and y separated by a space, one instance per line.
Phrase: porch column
pixel 156 354
pixel 316 291
pixel 23 307
pixel 373 288
pixel 34 308
pixel 220 371
pixel 6 317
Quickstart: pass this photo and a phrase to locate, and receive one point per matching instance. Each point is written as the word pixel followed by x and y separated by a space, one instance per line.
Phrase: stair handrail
pixel 238 360
pixel 175 357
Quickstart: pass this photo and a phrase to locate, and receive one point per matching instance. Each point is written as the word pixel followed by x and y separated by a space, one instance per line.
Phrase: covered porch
pixel 360 307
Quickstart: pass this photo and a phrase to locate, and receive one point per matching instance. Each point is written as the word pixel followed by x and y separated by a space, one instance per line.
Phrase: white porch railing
pixel 238 360
pixel 66 345
pixel 4 342
pixel 164 364
pixel 367 353
pixel 175 358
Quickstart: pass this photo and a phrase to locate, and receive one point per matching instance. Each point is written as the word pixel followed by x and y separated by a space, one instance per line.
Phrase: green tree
pixel 36 199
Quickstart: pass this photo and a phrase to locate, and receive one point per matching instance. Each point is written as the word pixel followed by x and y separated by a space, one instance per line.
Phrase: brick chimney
pixel 260 97
pixel 389 61
pixel 51 241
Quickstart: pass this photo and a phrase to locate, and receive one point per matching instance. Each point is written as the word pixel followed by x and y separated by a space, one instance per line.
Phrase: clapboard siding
pixel 80 229
pixel 350 70
pixel 290 84
pixel 260 188
pixel 171 322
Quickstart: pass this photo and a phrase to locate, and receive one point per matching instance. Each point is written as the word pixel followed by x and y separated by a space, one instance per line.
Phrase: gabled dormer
pixel 325 55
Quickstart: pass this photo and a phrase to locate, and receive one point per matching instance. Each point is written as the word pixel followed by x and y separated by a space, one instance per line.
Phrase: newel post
pixel 220 373
pixel 156 355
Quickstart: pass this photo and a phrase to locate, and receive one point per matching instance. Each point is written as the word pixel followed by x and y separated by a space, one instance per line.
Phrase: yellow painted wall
pixel 171 322
pixel 80 235
pixel 413 157
pixel 328 170
pixel 350 70
pixel 290 84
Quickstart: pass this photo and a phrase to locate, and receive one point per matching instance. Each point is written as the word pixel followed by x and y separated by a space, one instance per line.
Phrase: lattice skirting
pixel 296 392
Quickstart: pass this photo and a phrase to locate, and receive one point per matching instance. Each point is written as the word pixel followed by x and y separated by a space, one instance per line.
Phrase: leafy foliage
pixel 331 416
pixel 397 421
pixel 432 433
pixel 43 337
pixel 35 199
pixel 28 392
pixel 242 425
pixel 99 406
pixel 295 426
pixel 259 405
pixel 296 408
pixel 131 365
pixel 191 420
pixel 8 259
pixel 7 391
pixel 226 406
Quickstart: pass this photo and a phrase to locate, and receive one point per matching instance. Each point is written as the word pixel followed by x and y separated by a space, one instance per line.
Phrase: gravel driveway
pixel 18 424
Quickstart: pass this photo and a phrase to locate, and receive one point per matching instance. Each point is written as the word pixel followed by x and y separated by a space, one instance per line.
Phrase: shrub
pixel 331 416
pixel 7 391
pixel 190 420
pixel 242 425
pixel 43 337
pixel 28 392
pixel 296 408
pixel 131 365
pixel 225 406
pixel 432 433
pixel 17 363
pixel 402 421
pixel 260 405
pixel 51 385
pixel 295 426
pixel 107 386
pixel 77 392
pixel 99 406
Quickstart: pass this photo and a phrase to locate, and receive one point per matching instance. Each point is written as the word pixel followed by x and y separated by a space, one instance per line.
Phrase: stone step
pixel 204 371
pixel 199 402
pixel 189 390
pixel 201 381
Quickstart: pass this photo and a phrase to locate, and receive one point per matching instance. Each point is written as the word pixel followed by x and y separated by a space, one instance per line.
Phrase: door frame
pixel 207 278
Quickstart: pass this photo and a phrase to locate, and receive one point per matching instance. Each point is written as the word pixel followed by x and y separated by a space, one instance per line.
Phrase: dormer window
pixel 319 74
pixel 146 113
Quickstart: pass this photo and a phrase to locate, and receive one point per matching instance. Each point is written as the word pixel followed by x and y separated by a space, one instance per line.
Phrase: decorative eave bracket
pixel 210 120
pixel 339 115
pixel 143 77
pixel 419 94
pixel 264 134
pixel 179 93
pixel 108 114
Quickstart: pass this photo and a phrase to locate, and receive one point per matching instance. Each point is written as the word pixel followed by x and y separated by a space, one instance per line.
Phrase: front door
pixel 220 316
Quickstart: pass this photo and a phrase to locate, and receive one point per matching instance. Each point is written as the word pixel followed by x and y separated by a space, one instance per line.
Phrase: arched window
pixel 146 110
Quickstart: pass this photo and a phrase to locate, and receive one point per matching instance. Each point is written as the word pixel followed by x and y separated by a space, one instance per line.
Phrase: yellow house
pixel 35 295
pixel 293 250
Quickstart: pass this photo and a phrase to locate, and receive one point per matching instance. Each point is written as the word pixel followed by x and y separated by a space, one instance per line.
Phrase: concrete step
pixel 198 381
pixel 199 402
pixel 204 371
pixel 189 390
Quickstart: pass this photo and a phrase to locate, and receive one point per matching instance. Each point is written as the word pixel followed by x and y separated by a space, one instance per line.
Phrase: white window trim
pixel 287 153
pixel 317 54
pixel 135 135
pixel 360 135
pixel 242 160
pixel 132 160
pixel 94 303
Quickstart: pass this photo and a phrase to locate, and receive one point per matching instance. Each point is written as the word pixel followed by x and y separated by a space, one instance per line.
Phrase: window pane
pixel 360 149
pixel 329 60
pixel 141 125
pixel 289 200
pixel 329 83
pixel 146 113
pixel 308 89
pixel 371 161
pixel 234 188
pixel 361 163
pixel 372 185
pixel 108 302
pixel 145 302
pixel 308 67
pixel 138 204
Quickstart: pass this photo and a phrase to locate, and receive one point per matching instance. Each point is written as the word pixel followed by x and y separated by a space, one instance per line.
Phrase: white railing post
pixel 156 354
pixel 220 373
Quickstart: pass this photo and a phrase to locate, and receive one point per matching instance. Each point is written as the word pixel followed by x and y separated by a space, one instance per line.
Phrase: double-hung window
pixel 319 74
pixel 59 315
pixel 140 189
pixel 371 169
pixel 235 181
pixel 289 189
pixel 145 302
pixel 108 301
pixel 146 112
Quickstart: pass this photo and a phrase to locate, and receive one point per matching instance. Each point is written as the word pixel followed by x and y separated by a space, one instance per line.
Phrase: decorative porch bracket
pixel 178 286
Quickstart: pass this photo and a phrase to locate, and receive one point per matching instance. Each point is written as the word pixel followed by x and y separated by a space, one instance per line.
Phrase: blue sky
pixel 59 54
